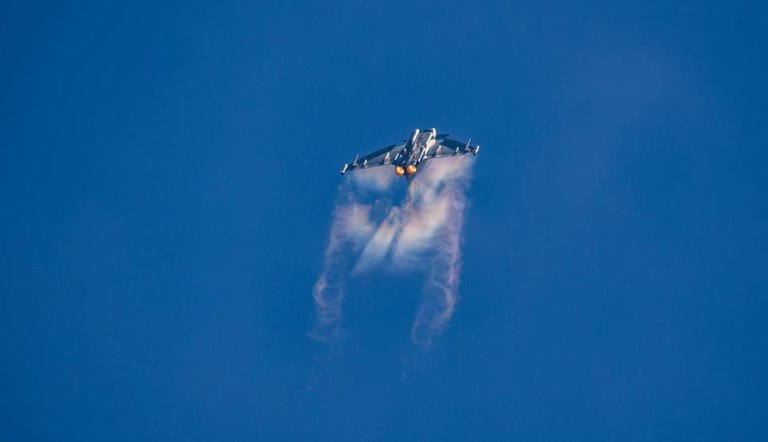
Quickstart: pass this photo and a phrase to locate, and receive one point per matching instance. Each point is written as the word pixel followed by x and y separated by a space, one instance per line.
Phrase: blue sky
pixel 167 175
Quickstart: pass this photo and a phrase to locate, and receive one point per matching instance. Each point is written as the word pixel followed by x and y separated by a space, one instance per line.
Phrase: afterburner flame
pixel 399 171
pixel 411 169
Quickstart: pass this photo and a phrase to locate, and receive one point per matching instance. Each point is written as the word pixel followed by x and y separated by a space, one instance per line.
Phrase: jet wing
pixel 379 158
pixel 448 147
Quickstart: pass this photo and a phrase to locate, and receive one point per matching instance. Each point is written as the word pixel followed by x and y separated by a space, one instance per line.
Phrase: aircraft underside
pixel 408 156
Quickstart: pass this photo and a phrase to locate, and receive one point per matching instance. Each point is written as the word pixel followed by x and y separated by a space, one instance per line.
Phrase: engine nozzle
pixel 399 171
pixel 411 169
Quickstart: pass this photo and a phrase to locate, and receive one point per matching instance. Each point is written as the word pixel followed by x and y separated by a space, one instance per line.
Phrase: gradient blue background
pixel 167 174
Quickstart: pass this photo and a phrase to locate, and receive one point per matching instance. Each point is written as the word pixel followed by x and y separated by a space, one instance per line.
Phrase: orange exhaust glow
pixel 411 169
pixel 399 171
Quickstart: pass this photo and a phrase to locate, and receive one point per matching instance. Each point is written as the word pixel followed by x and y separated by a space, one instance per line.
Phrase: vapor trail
pixel 422 233
pixel 440 202
pixel 441 289
pixel 350 226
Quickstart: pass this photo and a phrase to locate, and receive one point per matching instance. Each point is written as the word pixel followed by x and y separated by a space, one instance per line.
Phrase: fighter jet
pixel 408 156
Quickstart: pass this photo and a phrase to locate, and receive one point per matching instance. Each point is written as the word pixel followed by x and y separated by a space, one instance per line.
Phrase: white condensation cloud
pixel 375 178
pixel 380 243
pixel 439 221
pixel 422 233
pixel 440 292
pixel 355 222
pixel 419 227
pixel 351 226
